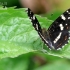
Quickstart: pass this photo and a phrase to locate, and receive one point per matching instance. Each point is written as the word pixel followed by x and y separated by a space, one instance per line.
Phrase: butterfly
pixel 57 35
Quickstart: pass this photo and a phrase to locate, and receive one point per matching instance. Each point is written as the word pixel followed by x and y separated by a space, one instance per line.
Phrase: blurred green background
pixel 35 60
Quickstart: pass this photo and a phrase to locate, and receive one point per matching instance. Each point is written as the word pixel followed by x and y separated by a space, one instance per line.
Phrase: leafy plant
pixel 17 35
pixel 18 38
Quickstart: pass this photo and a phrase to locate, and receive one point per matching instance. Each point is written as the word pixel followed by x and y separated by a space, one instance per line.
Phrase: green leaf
pixel 17 35
pixel 17 63
pixel 57 65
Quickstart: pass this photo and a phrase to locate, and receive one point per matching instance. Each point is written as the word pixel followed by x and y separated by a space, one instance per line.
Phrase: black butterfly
pixel 57 34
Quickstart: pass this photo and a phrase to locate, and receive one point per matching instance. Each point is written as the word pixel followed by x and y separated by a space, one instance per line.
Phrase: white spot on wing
pixel 33 17
pixel 68 17
pixel 61 27
pixel 36 26
pixel 63 17
pixel 58 37
pixel 51 46
pixel 30 12
pixel 69 37
pixel 65 24
pixel 68 12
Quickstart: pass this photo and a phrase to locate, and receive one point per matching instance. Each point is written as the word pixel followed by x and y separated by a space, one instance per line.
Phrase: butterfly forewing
pixel 34 21
pixel 36 24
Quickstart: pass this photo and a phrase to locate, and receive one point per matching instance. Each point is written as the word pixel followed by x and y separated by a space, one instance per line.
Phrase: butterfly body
pixel 57 34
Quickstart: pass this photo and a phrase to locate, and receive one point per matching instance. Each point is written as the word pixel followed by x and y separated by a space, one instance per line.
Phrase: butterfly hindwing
pixel 59 30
